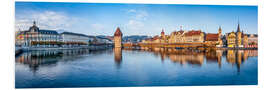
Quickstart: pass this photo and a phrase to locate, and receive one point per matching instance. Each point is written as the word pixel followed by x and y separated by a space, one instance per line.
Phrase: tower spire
pixel 238 27
pixel 34 23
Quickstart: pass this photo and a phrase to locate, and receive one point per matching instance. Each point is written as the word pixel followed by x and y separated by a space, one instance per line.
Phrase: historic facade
pixel 194 36
pixel 237 39
pixel 74 39
pixel 118 38
pixel 214 39
pixel 36 37
pixel 178 37
pixel 252 40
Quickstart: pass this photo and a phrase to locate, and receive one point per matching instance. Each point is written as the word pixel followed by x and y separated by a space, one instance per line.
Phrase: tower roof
pixel 162 32
pixel 34 27
pixel 238 27
pixel 219 28
pixel 118 32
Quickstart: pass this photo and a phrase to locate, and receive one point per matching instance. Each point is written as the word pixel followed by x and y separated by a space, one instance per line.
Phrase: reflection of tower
pixel 231 56
pixel 118 56
pixel 118 38
pixel 238 59
pixel 219 55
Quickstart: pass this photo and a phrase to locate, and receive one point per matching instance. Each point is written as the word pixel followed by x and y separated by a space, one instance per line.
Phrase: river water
pixel 123 67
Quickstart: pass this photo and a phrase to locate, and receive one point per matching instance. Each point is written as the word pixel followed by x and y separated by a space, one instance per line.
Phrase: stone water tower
pixel 118 38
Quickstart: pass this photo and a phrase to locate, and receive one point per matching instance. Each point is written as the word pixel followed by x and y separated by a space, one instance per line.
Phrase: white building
pixel 36 37
pixel 74 39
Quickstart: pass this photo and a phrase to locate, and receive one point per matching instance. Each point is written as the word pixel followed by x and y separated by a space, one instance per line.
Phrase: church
pixel 236 39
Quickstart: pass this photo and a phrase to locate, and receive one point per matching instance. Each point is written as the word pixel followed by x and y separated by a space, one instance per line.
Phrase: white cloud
pixel 97 26
pixel 137 19
pixel 141 15
pixel 131 11
pixel 135 25
pixel 45 20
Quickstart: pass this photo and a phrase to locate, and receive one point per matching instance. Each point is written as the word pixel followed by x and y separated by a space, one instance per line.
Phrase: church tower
pixel 118 38
pixel 220 36
pixel 238 36
pixel 162 34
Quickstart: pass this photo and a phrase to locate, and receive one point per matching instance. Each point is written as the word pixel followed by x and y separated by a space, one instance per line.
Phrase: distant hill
pixel 131 38
pixel 134 38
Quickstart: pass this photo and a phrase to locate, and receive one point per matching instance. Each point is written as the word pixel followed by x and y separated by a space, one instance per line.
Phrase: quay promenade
pixel 92 47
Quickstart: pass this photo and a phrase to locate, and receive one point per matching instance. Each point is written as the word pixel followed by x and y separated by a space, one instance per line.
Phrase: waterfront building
pixel 37 37
pixel 177 37
pixel 236 39
pixel 231 38
pixel 194 36
pixel 118 38
pixel 163 38
pixel 214 39
pixel 252 40
pixel 74 39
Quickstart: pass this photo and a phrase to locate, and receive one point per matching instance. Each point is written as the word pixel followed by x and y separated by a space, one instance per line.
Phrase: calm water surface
pixel 118 67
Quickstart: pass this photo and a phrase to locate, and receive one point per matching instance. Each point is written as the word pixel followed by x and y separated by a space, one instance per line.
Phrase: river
pixel 123 67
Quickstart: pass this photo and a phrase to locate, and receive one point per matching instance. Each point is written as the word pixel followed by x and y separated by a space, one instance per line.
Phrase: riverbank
pixel 93 48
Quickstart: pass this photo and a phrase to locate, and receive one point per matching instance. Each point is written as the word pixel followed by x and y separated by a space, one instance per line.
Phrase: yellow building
pixel 231 37
pixel 177 37
pixel 236 39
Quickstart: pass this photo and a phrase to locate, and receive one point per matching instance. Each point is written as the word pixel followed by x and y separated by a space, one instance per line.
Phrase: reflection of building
pixel 118 38
pixel 118 56
pixel 186 58
pixel 36 59
pixel 239 56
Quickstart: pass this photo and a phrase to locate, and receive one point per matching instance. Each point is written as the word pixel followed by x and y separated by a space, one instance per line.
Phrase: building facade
pixel 214 39
pixel 177 37
pixel 194 36
pixel 252 40
pixel 36 37
pixel 70 39
pixel 237 39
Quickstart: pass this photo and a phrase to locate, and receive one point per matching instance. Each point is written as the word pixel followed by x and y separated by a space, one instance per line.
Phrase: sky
pixel 134 19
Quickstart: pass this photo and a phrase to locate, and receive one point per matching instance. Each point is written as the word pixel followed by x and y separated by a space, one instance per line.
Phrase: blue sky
pixel 134 19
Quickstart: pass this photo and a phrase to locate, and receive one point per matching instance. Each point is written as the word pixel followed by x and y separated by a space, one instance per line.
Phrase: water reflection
pixel 127 67
pixel 118 57
pixel 200 57
pixel 35 59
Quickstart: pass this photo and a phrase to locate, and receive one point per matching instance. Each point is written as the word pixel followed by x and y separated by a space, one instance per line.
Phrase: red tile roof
pixel 211 37
pixel 193 32
pixel 118 32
